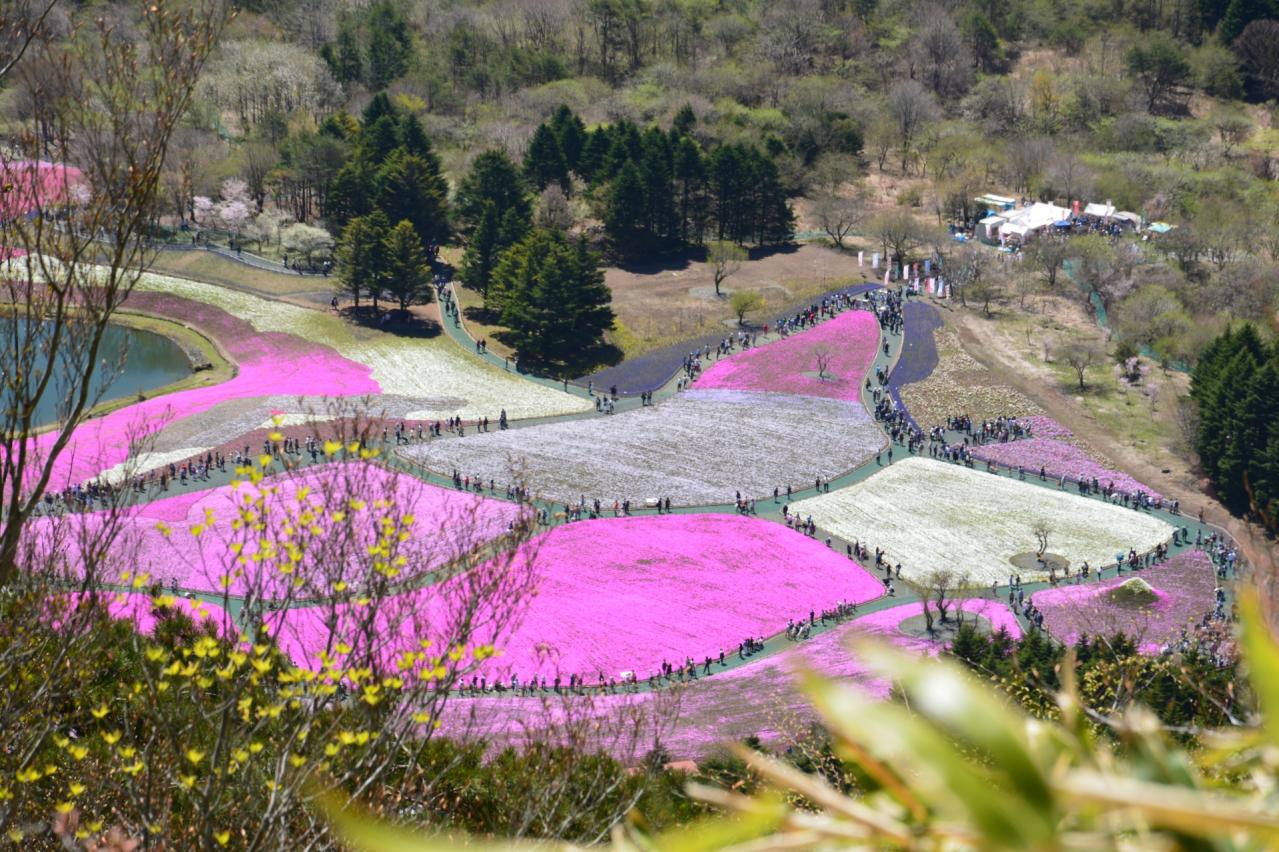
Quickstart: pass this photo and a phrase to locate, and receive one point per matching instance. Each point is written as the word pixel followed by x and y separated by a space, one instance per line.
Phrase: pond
pixel 150 361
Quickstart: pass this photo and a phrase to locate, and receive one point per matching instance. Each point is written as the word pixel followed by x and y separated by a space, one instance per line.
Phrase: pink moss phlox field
pixel 1185 589
pixel 784 366
pixel 1042 426
pixel 757 699
pixel 199 563
pixel 1058 459
pixel 268 363
pixel 145 611
pixel 625 594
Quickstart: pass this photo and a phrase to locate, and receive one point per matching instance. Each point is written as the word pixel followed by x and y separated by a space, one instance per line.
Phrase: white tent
pixel 1100 211
pixel 988 228
pixel 1014 231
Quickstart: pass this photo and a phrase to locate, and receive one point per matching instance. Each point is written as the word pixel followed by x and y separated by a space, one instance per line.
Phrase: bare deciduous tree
pixel 104 109
pixel 724 259
pixel 1081 355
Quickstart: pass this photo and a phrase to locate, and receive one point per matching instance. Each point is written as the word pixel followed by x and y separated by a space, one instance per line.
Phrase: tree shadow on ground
pixel 392 321
pixel 481 315
pixel 656 264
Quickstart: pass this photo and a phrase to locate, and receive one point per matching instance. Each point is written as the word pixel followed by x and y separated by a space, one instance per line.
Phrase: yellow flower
pixel 188 781
pixel 222 837
pixel 127 752
pixel 134 769
pixel 78 752
pixel 194 755
pixel 163 528
pixel 99 712
pixel 76 789
pixel 112 737
pixel 255 747
pixel 64 807
pixel 296 760
pixel 331 447
pixel 275 436
pixel 16 835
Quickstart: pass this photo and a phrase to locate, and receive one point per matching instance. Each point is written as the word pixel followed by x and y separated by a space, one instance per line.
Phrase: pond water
pixel 150 361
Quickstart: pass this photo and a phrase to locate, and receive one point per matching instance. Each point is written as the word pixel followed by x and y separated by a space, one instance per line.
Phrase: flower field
pixel 789 365
pixel 930 515
pixel 1058 459
pixel 411 367
pixel 653 369
pixel 625 594
pixel 700 447
pixel 1184 589
pixel 185 540
pixel 959 384
pixel 758 698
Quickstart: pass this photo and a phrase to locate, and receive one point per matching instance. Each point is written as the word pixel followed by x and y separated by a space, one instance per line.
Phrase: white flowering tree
pixel 307 241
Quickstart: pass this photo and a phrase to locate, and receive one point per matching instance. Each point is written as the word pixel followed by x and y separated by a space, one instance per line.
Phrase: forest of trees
pixel 1236 389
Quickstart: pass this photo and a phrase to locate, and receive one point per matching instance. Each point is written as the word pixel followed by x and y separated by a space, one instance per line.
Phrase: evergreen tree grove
pixel 1235 386
pixel 553 302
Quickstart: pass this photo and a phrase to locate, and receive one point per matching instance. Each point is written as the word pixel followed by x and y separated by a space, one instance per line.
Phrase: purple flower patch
pixel 1183 589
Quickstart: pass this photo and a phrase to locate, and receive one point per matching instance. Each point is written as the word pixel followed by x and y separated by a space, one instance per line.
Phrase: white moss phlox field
pixel 930 515
pixel 411 367
pixel 697 448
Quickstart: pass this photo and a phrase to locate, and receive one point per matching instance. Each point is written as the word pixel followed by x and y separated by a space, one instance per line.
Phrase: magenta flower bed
pixel 757 699
pixel 1058 459
pixel 1042 426
pixel 447 523
pixel 268 363
pixel 142 609
pixel 625 594
pixel 1184 587
pixel 790 365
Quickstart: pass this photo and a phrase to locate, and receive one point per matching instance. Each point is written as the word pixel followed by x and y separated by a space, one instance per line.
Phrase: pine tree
pixel 594 153
pixel 494 179
pixel 659 191
pixel 570 131
pixel 410 188
pixel 378 140
pixel 408 272
pixel 389 44
pixel 378 106
pixel 344 59
pixel 555 304
pixel 513 228
pixel 684 121
pixel 482 252
pixel 690 178
pixel 624 217
pixel 347 196
pixel 544 161
pixel 361 256
pixel 413 139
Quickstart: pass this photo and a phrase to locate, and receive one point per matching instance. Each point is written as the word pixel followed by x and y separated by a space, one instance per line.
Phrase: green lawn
pixel 206 266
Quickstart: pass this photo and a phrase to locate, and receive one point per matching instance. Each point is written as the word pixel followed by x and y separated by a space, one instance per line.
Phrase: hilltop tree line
pixel 1236 388
pixel 661 191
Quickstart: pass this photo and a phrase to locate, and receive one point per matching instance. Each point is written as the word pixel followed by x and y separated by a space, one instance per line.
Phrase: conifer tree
pixel 361 256
pixel 407 274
